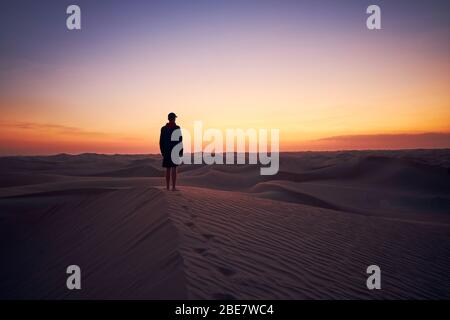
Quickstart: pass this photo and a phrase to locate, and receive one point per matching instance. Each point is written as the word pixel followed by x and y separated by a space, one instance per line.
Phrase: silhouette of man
pixel 166 146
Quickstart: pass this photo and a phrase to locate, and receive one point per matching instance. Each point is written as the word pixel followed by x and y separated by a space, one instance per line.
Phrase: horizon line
pixel 223 153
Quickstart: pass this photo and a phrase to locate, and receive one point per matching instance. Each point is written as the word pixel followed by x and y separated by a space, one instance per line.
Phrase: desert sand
pixel 309 232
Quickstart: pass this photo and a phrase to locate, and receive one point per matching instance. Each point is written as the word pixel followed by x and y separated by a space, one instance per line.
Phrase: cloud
pixel 62 130
pixel 386 141
pixel 403 136
pixel 32 138
pixel 56 128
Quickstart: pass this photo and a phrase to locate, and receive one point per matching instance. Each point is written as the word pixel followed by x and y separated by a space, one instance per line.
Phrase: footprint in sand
pixel 223 296
pixel 208 236
pixel 226 271
pixel 204 252
pixel 201 251
pixel 186 208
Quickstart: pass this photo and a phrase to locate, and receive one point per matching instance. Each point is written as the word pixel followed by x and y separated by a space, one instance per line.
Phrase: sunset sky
pixel 312 70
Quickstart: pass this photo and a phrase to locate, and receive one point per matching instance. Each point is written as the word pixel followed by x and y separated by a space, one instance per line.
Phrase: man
pixel 166 146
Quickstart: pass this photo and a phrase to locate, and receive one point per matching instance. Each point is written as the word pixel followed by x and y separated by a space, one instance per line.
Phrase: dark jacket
pixel 165 142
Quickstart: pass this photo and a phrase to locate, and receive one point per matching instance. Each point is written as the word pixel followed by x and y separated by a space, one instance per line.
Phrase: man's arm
pixel 161 142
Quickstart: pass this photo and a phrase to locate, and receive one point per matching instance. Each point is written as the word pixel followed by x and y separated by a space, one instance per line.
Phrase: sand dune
pixel 21 179
pixel 122 240
pixel 136 171
pixel 237 248
pixel 229 233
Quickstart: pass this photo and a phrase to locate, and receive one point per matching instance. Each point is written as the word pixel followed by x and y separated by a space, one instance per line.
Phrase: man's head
pixel 171 116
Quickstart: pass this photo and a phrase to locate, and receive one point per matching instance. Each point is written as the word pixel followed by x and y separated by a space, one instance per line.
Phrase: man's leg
pixel 174 177
pixel 167 178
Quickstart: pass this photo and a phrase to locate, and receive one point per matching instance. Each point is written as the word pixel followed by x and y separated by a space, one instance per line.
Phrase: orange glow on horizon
pixel 37 139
